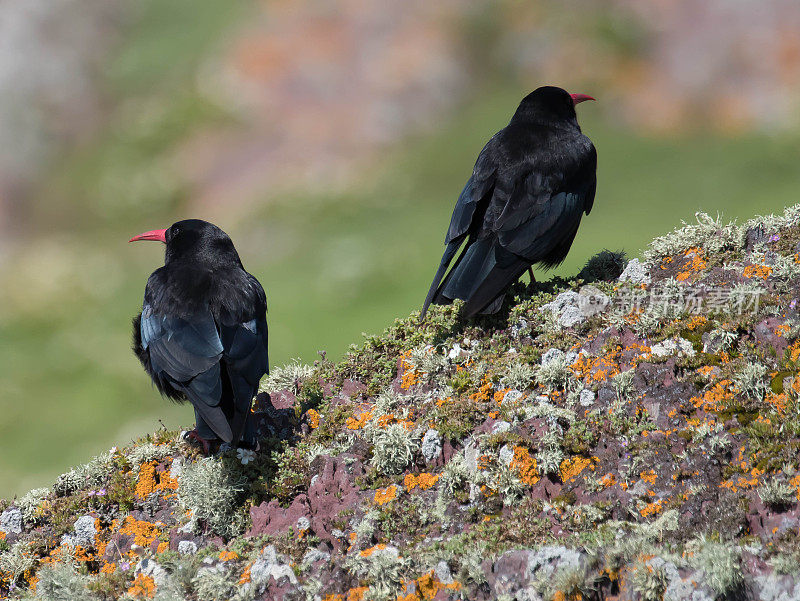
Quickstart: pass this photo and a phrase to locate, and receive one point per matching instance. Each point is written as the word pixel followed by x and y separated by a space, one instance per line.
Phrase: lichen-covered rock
pixel 85 532
pixel 637 439
pixel 635 273
pixel 11 521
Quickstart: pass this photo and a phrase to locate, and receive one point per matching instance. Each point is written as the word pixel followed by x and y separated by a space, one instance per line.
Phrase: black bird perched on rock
pixel 530 186
pixel 202 331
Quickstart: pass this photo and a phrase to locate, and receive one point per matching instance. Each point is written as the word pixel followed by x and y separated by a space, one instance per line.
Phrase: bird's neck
pixel 539 120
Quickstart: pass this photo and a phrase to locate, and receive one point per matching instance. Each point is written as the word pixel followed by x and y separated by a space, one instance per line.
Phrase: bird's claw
pixel 195 439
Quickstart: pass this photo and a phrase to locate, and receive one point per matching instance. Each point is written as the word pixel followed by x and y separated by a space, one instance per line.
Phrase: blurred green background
pixel 331 141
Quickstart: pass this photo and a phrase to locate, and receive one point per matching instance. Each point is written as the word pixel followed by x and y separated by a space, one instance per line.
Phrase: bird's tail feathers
pixel 214 416
pixel 480 276
pixel 449 251
pixel 488 296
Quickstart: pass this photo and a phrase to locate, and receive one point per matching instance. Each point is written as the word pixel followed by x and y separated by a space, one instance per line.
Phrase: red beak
pixel 158 235
pixel 577 98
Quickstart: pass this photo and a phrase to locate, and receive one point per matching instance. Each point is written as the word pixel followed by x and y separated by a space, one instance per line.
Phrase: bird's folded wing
pixel 537 217
pixel 245 349
pixel 246 361
pixel 186 349
pixel 474 190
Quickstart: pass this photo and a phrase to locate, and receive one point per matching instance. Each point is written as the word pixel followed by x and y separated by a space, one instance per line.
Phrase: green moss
pixel 291 475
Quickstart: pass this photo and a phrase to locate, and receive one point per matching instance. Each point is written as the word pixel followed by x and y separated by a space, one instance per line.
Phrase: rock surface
pixel 648 450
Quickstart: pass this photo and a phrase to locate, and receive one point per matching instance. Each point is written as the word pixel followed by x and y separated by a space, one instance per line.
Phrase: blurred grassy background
pixel 336 260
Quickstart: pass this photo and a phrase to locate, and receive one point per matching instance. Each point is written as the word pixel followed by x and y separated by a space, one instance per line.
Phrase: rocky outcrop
pixel 643 447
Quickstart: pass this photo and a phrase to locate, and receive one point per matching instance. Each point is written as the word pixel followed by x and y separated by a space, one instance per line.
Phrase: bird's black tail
pixel 451 249
pixel 481 275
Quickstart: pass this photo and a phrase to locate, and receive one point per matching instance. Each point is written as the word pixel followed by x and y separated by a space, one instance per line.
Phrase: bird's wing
pixel 475 191
pixel 244 337
pixel 544 209
pixel 186 352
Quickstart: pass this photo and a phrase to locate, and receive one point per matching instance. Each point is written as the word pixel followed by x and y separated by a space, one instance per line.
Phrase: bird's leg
pixel 195 438
pixel 530 273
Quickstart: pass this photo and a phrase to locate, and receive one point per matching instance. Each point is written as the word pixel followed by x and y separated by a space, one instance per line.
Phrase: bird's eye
pixel 175 231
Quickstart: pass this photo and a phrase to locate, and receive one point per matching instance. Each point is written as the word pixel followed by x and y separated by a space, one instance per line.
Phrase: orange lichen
pixel 108 567
pixel 385 495
pixel 143 586
pixel 706 371
pixel 245 577
pixel 608 480
pixel 146 483
pixel 82 555
pixel 794 350
pixel 150 481
pixel 697 321
pixel 500 395
pixel 226 555
pixel 652 508
pixel 778 402
pixel 359 422
pixel 371 550
pixel 757 271
pixel 523 463
pixel 423 481
pixel 782 329
pixel 429 586
pixel 385 420
pixel 484 393
pixel 356 594
pixel 743 482
pixel 312 416
pixel 144 532
pixel 571 467
pixel 795 483
pixel 695 264
pixel 649 476
pixel 598 369
pixel 714 399
pixel 167 483
pixel 410 376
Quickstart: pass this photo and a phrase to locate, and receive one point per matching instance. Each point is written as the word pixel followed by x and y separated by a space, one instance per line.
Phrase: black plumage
pixel 202 331
pixel 522 205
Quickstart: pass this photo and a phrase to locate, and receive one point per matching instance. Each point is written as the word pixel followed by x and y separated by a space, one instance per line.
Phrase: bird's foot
pixel 194 439
pixel 250 445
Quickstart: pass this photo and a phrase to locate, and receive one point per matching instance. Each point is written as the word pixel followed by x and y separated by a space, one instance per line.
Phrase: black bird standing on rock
pixel 202 332
pixel 530 186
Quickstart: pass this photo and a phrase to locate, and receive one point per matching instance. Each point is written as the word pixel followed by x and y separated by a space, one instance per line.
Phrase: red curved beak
pixel 158 235
pixel 577 98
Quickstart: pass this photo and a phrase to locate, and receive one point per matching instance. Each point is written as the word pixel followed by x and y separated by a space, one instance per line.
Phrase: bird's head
pixel 550 103
pixel 194 239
